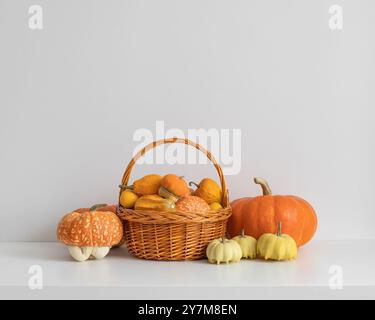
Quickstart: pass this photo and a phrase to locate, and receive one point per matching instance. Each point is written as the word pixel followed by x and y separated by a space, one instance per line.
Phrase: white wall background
pixel 73 94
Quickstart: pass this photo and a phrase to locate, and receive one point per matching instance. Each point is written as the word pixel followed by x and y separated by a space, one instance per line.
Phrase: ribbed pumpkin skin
pixel 261 214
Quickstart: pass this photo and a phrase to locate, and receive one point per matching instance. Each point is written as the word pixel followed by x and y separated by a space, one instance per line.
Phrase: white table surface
pixel 122 276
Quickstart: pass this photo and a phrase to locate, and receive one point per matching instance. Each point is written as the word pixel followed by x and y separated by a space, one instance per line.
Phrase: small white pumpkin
pixel 248 245
pixel 223 250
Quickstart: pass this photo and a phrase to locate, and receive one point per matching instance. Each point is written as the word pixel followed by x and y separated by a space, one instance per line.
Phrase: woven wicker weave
pixel 176 235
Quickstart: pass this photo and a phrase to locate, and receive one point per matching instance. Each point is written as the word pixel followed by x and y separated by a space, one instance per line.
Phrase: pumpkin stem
pixel 192 183
pixel 242 232
pixel 124 186
pixel 265 187
pixel 97 206
pixel 278 233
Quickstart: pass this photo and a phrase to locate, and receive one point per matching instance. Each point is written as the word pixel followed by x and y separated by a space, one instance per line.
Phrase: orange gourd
pixel 175 184
pixel 260 215
pixel 147 185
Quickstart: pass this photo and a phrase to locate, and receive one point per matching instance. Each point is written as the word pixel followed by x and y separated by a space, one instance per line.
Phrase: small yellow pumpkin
pixel 277 246
pixel 147 185
pixel 216 206
pixel 223 250
pixel 154 203
pixel 248 245
pixel 128 199
pixel 208 190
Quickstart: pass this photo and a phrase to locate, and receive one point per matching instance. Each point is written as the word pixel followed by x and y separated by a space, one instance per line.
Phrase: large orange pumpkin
pixel 261 214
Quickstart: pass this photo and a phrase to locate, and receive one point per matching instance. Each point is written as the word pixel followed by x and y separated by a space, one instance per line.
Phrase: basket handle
pixel 152 145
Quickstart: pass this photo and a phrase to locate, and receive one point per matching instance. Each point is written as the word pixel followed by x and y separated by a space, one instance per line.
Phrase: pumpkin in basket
pixel 90 233
pixel 154 202
pixel 192 204
pixel 128 198
pixel 175 185
pixel 216 206
pixel 259 215
pixel 147 185
pixel 208 190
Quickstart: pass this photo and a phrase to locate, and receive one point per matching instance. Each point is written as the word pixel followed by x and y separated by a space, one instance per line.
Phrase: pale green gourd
pixel 248 245
pixel 277 246
pixel 223 250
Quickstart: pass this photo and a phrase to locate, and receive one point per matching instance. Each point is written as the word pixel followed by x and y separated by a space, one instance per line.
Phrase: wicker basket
pixel 176 235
